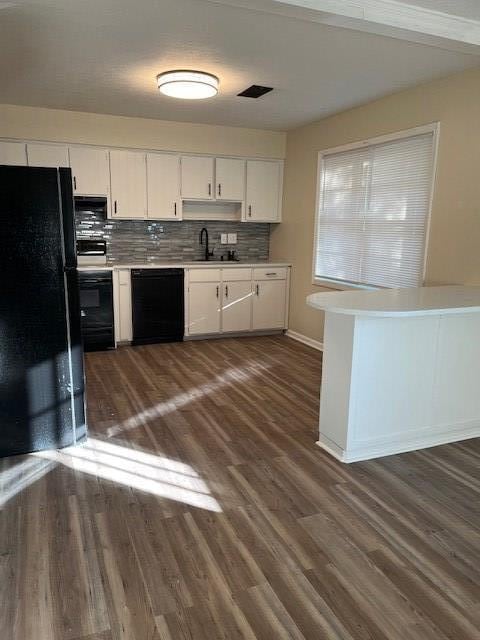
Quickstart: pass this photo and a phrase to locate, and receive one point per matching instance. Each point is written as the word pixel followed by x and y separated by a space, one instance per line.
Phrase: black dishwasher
pixel 158 305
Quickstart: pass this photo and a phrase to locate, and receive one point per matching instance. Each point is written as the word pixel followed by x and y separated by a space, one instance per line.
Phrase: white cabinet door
pixel 122 293
pixel 47 155
pixel 163 186
pixel 264 187
pixel 236 306
pixel 269 298
pixel 90 171
pixel 197 178
pixel 128 180
pixel 230 179
pixel 13 153
pixel 203 308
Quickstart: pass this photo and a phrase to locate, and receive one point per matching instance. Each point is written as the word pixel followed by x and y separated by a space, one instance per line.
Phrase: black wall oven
pixel 96 303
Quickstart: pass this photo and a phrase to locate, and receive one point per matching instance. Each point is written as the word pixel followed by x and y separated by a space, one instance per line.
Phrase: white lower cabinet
pixel 203 308
pixel 269 300
pixel 122 296
pixel 236 306
pixel 230 301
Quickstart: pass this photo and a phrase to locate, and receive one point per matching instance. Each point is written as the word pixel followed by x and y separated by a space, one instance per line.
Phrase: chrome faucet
pixel 208 254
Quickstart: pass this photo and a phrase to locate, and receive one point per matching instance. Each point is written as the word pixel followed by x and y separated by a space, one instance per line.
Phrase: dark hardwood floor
pixel 201 508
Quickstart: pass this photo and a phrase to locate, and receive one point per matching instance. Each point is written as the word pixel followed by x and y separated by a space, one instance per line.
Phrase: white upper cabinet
pixel 47 155
pixel 13 153
pixel 230 179
pixel 163 186
pixel 197 178
pixel 141 184
pixel 264 191
pixel 128 181
pixel 90 171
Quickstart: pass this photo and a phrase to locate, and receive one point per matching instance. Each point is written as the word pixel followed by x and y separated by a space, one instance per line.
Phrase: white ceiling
pixel 103 55
pixel 465 8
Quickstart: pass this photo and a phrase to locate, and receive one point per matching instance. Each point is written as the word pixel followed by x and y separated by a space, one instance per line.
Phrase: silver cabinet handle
pixel 250 210
pixel 257 288
pixel 219 189
pixel 209 189
pixel 218 291
pixel 226 290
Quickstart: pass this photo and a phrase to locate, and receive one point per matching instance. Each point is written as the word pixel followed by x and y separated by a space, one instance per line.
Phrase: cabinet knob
pixel 250 210
pixel 175 208
pixel 209 189
pixel 115 206
pixel 257 289
pixel 218 291
pixel 75 183
pixel 226 290
pixel 219 189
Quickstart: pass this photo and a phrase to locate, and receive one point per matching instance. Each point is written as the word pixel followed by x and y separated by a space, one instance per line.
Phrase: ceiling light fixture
pixel 188 85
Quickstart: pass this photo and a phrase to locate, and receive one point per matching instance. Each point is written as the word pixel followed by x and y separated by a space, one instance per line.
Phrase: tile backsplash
pixel 144 241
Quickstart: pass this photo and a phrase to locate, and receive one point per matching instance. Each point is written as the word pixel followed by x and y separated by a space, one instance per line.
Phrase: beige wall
pixel 34 123
pixel 454 247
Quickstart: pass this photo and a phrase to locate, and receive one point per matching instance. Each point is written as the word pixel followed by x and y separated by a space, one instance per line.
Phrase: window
pixel 373 211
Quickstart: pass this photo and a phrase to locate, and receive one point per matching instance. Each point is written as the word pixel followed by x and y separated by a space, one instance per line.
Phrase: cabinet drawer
pixel 204 275
pixel 124 276
pixel 235 275
pixel 270 273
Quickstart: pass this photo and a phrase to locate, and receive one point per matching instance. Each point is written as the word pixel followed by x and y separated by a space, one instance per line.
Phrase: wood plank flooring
pixel 201 509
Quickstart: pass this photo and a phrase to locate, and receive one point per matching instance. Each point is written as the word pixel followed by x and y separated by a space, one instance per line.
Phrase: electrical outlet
pixel 224 238
pixel 232 238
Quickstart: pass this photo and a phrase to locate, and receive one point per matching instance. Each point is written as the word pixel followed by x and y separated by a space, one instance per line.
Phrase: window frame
pixel 434 128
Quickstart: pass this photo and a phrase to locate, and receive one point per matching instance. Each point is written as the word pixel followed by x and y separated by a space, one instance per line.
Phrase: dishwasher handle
pixel 156 273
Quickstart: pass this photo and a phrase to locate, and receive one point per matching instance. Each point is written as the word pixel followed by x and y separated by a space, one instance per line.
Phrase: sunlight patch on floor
pixel 18 477
pixel 145 472
pixel 231 376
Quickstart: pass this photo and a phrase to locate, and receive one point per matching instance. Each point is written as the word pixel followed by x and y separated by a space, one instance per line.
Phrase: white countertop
pixel 181 265
pixel 400 302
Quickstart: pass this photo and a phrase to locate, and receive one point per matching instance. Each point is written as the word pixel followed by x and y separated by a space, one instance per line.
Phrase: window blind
pixel 373 213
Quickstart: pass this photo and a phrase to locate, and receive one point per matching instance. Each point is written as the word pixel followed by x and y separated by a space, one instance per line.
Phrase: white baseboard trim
pixel 333 449
pixel 373 451
pixel 234 334
pixel 299 337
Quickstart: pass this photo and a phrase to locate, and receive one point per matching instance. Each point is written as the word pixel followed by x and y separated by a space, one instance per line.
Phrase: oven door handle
pixel 93 281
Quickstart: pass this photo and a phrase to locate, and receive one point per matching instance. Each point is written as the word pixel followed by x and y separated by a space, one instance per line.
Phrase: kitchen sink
pixel 216 261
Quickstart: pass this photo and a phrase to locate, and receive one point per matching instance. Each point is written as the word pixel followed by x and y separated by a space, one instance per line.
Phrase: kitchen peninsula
pixel 400 369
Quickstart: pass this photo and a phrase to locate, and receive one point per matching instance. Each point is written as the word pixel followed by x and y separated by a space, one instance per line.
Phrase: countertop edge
pixel 183 265
pixel 440 310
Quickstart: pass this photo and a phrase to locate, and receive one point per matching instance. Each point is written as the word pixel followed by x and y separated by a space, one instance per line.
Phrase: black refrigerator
pixel 41 356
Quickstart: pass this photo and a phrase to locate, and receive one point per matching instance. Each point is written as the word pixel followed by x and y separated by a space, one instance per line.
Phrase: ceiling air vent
pixel 255 91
